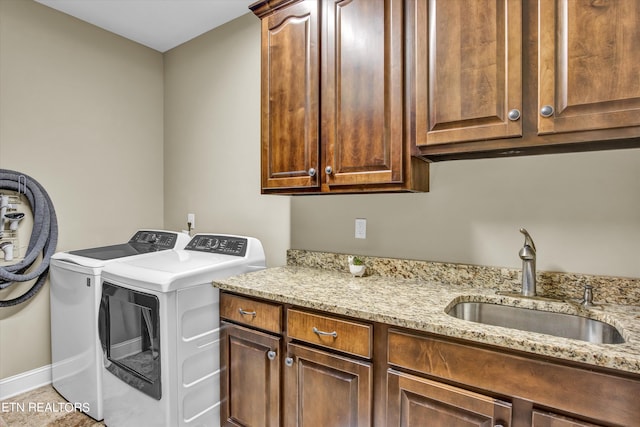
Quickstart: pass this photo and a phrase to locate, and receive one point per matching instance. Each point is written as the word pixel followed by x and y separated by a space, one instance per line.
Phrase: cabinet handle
pixel 246 313
pixel 312 172
pixel 514 115
pixel 271 355
pixel 546 111
pixel 288 361
pixel 318 332
pixel 328 170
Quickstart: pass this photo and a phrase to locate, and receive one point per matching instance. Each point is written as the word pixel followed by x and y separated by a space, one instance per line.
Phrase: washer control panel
pixel 158 239
pixel 227 245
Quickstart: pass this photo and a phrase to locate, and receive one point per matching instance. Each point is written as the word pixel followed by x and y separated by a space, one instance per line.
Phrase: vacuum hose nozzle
pixel 7 248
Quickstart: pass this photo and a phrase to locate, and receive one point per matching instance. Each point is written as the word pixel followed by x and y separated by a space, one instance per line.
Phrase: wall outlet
pixel 361 228
pixel 191 219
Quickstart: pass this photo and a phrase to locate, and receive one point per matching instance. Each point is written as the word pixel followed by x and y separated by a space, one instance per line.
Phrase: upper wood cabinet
pixel 505 77
pixel 589 71
pixel 333 116
pixel 362 92
pixel 466 69
pixel 290 97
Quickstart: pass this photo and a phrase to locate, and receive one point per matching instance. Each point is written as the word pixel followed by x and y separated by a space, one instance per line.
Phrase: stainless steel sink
pixel 544 322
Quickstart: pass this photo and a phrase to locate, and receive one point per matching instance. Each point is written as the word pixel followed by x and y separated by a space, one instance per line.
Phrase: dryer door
pixel 129 327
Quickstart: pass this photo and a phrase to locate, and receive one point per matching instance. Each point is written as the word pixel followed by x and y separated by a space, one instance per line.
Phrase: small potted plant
pixel 356 266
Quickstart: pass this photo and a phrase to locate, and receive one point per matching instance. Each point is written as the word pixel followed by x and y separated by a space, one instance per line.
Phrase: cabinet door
pixel 290 88
pixel 412 401
pixel 465 70
pixel 362 111
pixel 250 379
pixel 324 389
pixel 589 72
pixel 547 419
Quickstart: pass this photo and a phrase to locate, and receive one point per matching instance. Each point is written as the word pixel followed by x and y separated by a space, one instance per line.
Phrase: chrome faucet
pixel 528 256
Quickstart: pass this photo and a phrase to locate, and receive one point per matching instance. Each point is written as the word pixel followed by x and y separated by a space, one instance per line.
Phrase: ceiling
pixel 158 24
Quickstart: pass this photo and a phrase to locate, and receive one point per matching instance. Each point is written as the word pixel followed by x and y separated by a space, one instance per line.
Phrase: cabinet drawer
pixel 349 337
pixel 247 311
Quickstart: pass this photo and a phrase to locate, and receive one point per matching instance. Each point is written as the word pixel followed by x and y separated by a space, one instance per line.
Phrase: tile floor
pixel 42 407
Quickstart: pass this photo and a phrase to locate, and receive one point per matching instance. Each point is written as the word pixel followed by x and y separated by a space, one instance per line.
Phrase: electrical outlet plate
pixel 191 218
pixel 361 228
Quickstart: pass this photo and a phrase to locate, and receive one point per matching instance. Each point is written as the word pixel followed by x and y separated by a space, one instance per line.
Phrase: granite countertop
pixel 421 304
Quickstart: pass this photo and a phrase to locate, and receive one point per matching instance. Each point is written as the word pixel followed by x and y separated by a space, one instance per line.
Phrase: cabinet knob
pixel 288 361
pixel 271 355
pixel 328 170
pixel 312 172
pixel 514 115
pixel 546 111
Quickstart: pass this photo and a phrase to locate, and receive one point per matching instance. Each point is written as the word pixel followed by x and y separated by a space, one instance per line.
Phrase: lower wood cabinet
pixel 325 389
pixel 415 401
pixel 548 419
pixel 285 366
pixel 566 392
pixel 250 378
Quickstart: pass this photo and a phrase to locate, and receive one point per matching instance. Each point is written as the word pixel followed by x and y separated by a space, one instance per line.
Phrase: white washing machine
pixel 160 332
pixel 75 292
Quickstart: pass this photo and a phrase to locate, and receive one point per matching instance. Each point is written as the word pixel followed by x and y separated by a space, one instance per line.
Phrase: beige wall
pixel 212 139
pixel 582 210
pixel 81 111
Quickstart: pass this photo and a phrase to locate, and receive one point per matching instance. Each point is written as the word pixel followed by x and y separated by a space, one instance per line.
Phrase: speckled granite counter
pixel 421 303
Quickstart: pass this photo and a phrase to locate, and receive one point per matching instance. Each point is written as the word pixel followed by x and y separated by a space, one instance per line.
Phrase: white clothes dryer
pixel 75 294
pixel 160 332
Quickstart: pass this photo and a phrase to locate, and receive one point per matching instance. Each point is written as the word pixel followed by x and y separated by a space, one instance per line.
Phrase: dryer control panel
pixel 159 239
pixel 227 245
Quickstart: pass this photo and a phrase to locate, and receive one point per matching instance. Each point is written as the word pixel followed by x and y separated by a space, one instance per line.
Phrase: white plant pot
pixel 357 270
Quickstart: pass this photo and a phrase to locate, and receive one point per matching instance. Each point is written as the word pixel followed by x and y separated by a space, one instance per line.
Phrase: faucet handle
pixel 587 299
pixel 528 241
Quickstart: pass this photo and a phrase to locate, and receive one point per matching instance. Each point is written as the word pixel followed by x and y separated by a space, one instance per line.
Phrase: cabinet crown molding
pixel 264 7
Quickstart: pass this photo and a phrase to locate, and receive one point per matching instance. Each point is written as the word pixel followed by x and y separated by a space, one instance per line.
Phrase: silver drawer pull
pixel 333 334
pixel 247 313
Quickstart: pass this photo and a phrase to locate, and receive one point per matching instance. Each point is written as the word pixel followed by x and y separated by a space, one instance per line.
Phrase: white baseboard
pixel 24 382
